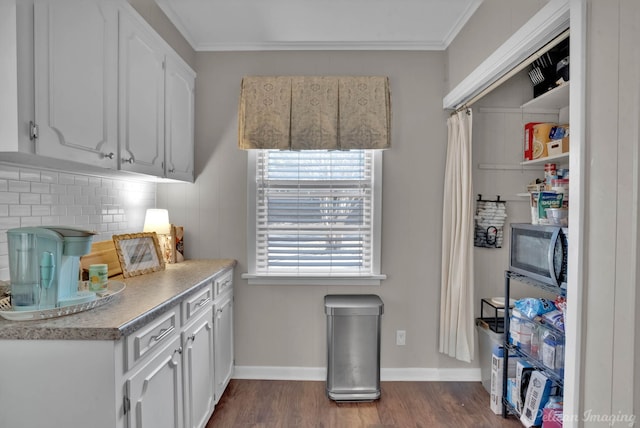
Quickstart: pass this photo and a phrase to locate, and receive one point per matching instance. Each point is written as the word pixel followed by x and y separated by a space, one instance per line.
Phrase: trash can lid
pixel 353 304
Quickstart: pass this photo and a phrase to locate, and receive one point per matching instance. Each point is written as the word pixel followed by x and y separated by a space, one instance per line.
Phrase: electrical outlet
pixel 401 337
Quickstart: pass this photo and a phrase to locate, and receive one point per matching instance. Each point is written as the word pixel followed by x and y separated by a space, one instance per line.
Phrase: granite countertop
pixel 145 298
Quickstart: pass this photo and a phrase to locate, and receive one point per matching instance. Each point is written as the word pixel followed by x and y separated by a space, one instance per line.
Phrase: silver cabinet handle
pixel 192 338
pixel 203 302
pixel 172 170
pixel 108 155
pixel 163 333
pixel 131 160
pixel 179 350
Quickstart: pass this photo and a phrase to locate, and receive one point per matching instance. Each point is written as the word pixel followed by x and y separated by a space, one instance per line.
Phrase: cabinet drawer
pixel 197 303
pixel 224 282
pixel 159 331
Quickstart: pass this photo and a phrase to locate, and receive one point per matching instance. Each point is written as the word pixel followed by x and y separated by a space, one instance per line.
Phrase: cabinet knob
pixel 178 350
pixel 172 170
pixel 192 338
pixel 131 160
pixel 108 155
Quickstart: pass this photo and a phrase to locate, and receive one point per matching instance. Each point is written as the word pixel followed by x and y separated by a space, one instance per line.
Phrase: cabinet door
pixel 179 116
pixel 223 342
pixel 155 392
pixel 75 72
pixel 198 370
pixel 141 98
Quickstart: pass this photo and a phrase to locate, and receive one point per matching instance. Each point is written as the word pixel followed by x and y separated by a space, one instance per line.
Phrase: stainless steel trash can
pixel 353 346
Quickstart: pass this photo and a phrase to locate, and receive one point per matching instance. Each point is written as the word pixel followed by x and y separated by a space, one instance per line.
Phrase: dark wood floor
pixel 263 403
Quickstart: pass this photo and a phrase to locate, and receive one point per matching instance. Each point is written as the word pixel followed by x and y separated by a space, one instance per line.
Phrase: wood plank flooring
pixel 292 404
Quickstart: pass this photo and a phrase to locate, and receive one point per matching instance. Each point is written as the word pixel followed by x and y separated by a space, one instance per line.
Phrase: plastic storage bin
pixel 488 340
pixel 353 346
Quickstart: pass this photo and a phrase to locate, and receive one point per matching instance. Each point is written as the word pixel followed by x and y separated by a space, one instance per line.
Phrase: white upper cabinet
pixel 98 90
pixel 156 104
pixel 75 77
pixel 141 98
pixel 179 117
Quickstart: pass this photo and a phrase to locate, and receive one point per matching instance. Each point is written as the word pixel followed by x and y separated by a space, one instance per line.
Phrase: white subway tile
pixel 81 200
pixel 19 186
pixel 29 198
pixel 64 178
pixel 41 210
pixel 30 221
pixel 9 222
pixel 81 180
pixel 65 199
pixel 113 227
pixel 59 210
pixel 73 190
pixel 9 172
pixel 48 199
pixel 66 220
pixel 4 210
pixel 49 177
pixel 4 185
pixel 19 210
pixel 50 220
pixel 81 220
pixel 59 189
pixel 9 198
pixel 29 174
pixel 40 187
pixel 74 210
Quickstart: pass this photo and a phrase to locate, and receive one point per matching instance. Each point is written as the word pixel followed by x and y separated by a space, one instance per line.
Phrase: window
pixel 314 215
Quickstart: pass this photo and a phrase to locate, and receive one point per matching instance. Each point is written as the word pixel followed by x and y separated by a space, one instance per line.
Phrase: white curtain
pixel 456 290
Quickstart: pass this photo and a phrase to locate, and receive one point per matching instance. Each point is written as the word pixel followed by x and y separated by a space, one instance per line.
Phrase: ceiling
pixel 242 25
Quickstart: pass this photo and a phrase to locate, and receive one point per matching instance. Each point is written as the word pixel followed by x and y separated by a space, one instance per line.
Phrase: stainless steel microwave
pixel 540 252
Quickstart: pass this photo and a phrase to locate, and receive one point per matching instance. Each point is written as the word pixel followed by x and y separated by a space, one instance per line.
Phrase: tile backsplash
pixel 35 197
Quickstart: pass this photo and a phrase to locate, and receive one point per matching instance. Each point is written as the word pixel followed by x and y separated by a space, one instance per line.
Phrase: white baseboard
pixel 386 374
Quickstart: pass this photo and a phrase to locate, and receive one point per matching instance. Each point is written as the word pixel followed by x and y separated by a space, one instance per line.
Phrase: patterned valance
pixel 314 112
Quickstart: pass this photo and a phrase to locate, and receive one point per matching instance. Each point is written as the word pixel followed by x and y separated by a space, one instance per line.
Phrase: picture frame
pixel 139 253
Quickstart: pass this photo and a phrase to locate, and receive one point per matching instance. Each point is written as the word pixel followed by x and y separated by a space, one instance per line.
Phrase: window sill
pixel 313 280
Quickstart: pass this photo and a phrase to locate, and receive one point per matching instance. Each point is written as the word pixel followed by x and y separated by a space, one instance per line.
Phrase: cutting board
pixel 103 252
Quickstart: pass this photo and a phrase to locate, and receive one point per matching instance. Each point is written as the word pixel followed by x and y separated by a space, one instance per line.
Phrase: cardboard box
pixel 512 392
pixel 558 147
pixel 522 377
pixel 538 393
pixel 541 137
pixel 497 365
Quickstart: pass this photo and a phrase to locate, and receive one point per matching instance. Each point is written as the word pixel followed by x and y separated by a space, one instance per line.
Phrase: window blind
pixel 314 212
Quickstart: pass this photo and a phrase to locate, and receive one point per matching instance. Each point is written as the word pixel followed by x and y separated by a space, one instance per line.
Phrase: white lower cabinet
pixel 169 372
pixel 223 342
pixel 198 364
pixel 154 393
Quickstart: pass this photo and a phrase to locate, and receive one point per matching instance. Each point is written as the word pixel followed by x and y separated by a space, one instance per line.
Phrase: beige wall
pixel 285 325
pixel 489 27
pixel 610 328
pixel 152 13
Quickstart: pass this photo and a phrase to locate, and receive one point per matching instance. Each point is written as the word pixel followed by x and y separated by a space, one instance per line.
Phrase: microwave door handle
pixel 551 258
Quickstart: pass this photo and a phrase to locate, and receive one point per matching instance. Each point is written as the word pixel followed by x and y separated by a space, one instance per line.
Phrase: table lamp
pixel 157 220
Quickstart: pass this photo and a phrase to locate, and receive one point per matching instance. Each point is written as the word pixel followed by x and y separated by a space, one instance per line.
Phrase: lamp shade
pixel 157 220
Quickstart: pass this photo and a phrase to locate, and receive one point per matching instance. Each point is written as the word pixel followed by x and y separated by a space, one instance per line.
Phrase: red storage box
pixel 528 140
